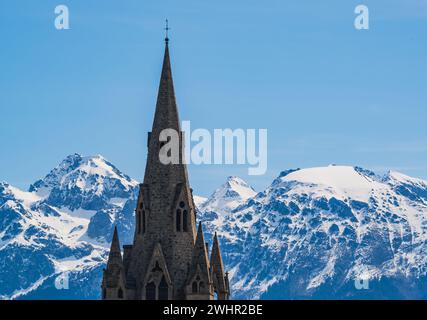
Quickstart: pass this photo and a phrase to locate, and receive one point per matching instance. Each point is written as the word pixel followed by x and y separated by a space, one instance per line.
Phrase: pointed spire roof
pixel 216 263
pixel 200 255
pixel 114 273
pixel 200 245
pixel 166 115
pixel 115 256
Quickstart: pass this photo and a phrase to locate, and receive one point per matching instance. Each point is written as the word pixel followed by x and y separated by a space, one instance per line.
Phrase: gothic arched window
pixel 182 217
pixel 150 291
pixel 143 221
pixel 120 293
pixel 163 289
pixel 178 220
pixel 194 287
pixel 184 221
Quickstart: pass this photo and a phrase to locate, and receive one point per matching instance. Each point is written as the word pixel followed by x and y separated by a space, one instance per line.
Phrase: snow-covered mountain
pixel 311 234
pixel 230 195
pixel 217 210
pixel 320 232
pixel 63 224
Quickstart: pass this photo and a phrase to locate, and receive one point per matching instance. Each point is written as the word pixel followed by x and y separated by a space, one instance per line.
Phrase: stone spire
pixel 168 258
pixel 200 255
pixel 220 279
pixel 158 175
pixel 165 212
pixel 166 115
pixel 115 256
pixel 113 283
pixel 199 283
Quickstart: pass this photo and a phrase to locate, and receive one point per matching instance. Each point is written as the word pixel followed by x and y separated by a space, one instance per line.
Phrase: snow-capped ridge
pixel 334 180
pixel 398 177
pixel 318 226
pixel 85 173
pixel 230 195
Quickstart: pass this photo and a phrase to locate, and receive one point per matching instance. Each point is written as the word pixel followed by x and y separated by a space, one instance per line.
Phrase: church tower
pixel 169 257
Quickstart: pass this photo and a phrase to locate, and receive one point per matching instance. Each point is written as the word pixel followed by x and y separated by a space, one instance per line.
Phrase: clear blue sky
pixel 326 92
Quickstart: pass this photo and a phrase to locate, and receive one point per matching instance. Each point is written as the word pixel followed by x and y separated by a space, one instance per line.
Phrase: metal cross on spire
pixel 167 30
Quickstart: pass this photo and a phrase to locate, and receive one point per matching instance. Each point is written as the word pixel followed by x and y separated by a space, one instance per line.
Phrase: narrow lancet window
pixel 150 291
pixel 184 220
pixel 178 220
pixel 163 289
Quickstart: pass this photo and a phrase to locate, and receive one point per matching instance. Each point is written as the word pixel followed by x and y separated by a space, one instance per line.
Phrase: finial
pixel 167 31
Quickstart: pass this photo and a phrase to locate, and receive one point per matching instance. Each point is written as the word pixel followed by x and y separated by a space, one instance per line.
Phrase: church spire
pixel 220 279
pixel 115 256
pixel 166 115
pixel 199 283
pixel 170 180
pixel 200 256
pixel 165 217
pixel 113 282
pixel 216 259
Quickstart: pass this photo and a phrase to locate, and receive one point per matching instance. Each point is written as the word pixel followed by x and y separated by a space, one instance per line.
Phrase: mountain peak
pixel 230 195
pixel 83 172
pixel 73 156
pixel 337 180
pixel 233 181
pixel 236 187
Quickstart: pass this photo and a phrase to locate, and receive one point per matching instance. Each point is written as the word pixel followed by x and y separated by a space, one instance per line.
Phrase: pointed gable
pixel 157 278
